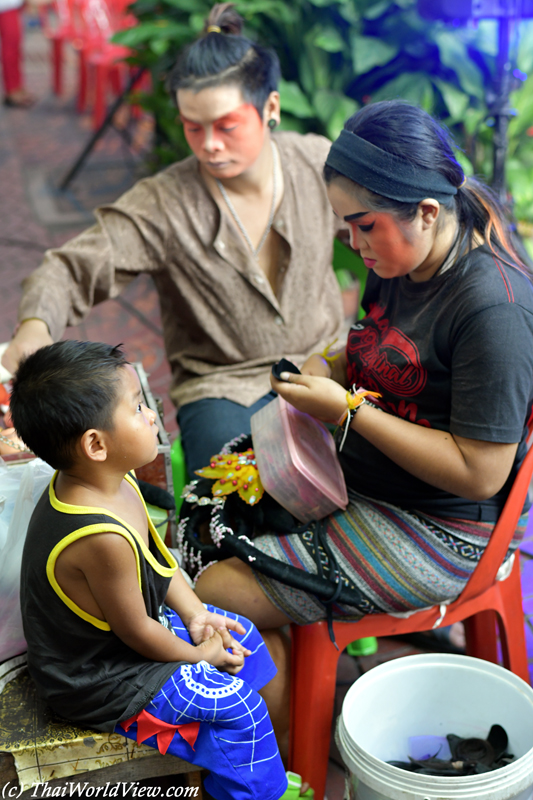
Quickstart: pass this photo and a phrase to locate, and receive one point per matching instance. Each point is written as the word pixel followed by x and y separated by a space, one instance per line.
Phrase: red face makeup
pixel 389 246
pixel 233 140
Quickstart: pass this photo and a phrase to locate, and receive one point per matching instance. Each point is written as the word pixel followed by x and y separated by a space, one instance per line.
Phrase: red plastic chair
pixel 483 602
pixel 57 22
pixel 102 59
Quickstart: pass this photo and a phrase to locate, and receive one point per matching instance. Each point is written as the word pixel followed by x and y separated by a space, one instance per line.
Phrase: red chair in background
pixel 88 26
pixel 102 58
pixel 483 602
pixel 57 22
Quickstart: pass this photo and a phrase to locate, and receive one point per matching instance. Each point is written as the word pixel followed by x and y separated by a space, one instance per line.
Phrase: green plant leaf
pixel 187 6
pixel 369 52
pixel 415 87
pixel 454 55
pixel 465 162
pixel 349 12
pixel 525 48
pixel 472 119
pixel 456 100
pixel 376 9
pixel 196 22
pixel 486 37
pixel 330 40
pixel 293 100
pixel 159 46
pixel 333 109
pixel 290 123
pixel 283 12
pixel 150 31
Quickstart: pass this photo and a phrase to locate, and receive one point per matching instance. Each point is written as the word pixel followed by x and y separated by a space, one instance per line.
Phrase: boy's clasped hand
pixel 211 632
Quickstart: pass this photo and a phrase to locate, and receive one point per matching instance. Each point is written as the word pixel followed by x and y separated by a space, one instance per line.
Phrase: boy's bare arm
pixel 108 565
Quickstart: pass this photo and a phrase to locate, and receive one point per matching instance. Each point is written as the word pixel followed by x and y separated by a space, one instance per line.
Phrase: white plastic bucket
pixel 434 694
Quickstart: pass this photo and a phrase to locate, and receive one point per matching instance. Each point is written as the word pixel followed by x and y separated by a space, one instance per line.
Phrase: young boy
pixel 116 638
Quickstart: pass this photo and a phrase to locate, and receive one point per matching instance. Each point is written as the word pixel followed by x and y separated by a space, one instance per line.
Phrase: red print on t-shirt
pixel 382 358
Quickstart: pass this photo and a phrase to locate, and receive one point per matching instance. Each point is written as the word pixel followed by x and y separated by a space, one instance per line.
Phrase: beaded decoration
pixel 236 472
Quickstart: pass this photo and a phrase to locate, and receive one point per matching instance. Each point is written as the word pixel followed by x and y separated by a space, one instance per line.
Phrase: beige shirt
pixel 223 325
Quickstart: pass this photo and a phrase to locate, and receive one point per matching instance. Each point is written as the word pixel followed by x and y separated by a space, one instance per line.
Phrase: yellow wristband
pixel 325 353
pixel 354 400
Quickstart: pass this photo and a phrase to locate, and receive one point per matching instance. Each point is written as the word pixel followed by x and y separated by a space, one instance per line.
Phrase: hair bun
pixel 224 19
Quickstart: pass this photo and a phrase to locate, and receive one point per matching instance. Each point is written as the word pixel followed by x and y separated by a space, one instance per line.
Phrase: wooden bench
pixel 38 747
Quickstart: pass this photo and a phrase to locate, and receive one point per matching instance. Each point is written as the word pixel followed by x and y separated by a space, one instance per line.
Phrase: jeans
pixel 207 425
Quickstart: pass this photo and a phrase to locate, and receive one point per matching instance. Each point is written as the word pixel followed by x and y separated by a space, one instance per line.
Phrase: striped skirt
pixel 394 560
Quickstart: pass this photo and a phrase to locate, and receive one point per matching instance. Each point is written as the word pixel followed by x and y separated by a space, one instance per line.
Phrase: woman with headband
pixel 446 347
pixel 238 239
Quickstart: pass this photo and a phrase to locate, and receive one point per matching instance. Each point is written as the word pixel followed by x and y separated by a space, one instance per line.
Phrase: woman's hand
pixel 316 365
pixel 319 396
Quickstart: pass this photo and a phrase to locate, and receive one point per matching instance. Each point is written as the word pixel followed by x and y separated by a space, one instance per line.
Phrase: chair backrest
pixel 485 573
pixel 98 23
pixel 56 17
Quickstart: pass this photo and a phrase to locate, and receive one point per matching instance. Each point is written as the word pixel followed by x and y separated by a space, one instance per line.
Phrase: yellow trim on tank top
pixel 161 546
pixel 67 508
pixel 88 530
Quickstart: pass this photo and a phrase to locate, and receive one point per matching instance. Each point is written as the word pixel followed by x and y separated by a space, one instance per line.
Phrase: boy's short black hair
pixel 61 391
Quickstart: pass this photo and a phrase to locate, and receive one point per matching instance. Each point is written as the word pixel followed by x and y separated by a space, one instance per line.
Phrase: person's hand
pixel 321 397
pixel 32 335
pixel 215 651
pixel 316 365
pixel 202 626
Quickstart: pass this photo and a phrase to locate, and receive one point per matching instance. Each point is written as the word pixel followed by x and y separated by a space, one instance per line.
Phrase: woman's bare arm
pixel 468 468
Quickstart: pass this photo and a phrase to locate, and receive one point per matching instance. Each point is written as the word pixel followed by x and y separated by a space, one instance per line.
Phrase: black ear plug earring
pixel 272 124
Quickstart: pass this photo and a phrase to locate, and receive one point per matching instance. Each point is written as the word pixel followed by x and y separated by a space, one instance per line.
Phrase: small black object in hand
pixel 284 366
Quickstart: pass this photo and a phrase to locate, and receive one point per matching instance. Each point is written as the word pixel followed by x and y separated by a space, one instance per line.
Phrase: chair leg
pixel 57 66
pixel 100 91
pixel 481 639
pixel 82 82
pixel 314 672
pixel 511 624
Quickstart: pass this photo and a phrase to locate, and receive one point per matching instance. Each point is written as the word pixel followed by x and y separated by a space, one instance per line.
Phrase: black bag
pixel 233 524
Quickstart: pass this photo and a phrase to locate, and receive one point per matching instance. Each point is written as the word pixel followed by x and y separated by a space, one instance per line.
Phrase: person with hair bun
pixel 432 395
pixel 238 239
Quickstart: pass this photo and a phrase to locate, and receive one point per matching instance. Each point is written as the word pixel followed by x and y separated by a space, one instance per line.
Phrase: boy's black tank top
pixel 81 668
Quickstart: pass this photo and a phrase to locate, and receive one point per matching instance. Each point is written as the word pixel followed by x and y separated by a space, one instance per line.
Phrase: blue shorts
pixel 235 740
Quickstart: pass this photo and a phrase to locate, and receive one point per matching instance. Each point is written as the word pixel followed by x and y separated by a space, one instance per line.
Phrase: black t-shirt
pixel 453 353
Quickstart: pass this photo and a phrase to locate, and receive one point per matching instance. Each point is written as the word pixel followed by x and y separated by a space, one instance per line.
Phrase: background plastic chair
pixel 102 59
pixel 88 26
pixel 483 602
pixel 58 25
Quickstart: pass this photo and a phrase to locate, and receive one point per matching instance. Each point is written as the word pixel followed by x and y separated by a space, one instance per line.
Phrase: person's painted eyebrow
pixel 236 112
pixel 351 217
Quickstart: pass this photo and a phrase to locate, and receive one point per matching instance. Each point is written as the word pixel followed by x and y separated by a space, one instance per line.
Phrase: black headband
pixel 386 174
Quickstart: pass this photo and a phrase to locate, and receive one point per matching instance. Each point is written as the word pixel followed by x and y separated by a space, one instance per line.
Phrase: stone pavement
pixel 37 147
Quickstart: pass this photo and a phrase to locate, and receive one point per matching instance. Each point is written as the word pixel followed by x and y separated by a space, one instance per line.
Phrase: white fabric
pixel 7 5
